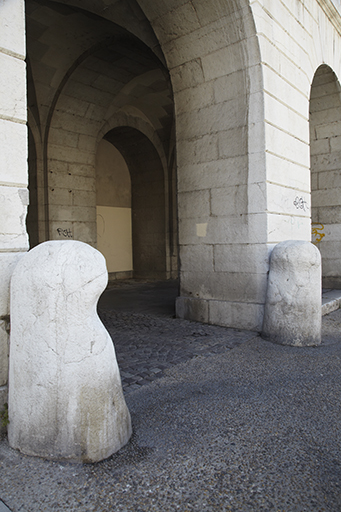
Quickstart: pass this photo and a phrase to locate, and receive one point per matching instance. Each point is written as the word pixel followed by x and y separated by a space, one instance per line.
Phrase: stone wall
pixel 13 163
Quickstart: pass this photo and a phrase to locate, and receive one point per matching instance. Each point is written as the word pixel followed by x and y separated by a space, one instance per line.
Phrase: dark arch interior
pixel 148 201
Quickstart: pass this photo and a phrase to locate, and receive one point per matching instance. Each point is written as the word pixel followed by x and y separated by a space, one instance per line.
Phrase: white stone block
pixel 257 166
pixel 60 196
pixel 252 258
pixel 326 197
pixel 194 205
pixel 212 119
pixel 197 258
pixel 284 117
pixel 78 169
pixel 3 352
pixel 73 105
pixel 192 309
pixel 13 154
pixel 72 213
pixel 71 155
pixel 203 42
pixel 61 137
pixel 220 173
pixel 194 98
pixel 62 230
pixel 200 150
pixel 237 315
pixel 232 143
pixel 226 230
pixel 326 162
pixel 13 206
pixel 332 232
pixel 85 231
pixel 189 74
pixel 286 91
pixel 281 227
pixel 70 181
pixel 13 97
pixel 284 66
pixel 75 123
pixel 328 130
pixel 208 13
pixel 293 305
pixel 65 394
pixel 223 62
pixel 227 88
pixel 8 261
pixel 177 23
pixel 229 200
pixel 230 286
pixel 284 172
pixel 256 137
pixel 286 146
pixel 12 26
pixel 257 197
pixel 320 147
pixel 287 200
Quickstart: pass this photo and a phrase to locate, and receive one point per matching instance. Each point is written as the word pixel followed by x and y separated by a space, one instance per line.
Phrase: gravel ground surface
pixel 236 424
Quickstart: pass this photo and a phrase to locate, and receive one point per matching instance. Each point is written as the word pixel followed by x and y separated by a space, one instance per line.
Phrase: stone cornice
pixel 333 13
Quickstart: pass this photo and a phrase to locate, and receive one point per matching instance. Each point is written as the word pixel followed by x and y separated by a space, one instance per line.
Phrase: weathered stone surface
pixel 65 393
pixel 293 303
pixel 3 352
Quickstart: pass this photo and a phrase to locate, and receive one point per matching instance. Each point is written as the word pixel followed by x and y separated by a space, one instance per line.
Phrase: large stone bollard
pixel 65 394
pixel 293 303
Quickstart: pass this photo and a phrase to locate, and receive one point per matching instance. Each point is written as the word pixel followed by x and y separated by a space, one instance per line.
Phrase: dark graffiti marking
pixel 66 233
pixel 300 204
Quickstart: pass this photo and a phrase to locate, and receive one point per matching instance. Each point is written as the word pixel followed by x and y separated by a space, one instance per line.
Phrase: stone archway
pixel 147 201
pixel 103 72
pixel 91 64
pixel 325 150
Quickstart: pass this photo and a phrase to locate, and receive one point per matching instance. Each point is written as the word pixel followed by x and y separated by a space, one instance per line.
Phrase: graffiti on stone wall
pixel 317 232
pixel 300 204
pixel 66 233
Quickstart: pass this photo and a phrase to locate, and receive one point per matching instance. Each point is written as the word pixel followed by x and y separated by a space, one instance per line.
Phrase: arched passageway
pixel 93 82
pixel 97 68
pixel 325 153
pixel 147 201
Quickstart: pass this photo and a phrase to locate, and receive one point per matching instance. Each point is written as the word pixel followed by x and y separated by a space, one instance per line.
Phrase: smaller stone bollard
pixel 65 394
pixel 293 303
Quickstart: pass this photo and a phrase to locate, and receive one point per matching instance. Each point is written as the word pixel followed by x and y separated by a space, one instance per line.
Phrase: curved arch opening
pixel 325 158
pixel 143 195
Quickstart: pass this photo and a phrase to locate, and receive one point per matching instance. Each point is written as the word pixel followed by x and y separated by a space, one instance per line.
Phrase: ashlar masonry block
pixel 13 154
pixel 12 26
pixel 13 72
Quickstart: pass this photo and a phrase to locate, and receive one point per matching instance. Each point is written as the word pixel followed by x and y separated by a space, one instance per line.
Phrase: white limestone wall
pixel 212 54
pixel 295 38
pixel 13 162
pixel 231 218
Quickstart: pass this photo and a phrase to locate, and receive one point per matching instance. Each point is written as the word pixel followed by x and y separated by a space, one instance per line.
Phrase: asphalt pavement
pixel 223 421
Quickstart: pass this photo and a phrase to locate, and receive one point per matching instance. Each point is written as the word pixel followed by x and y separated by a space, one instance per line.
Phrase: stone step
pixel 331 300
